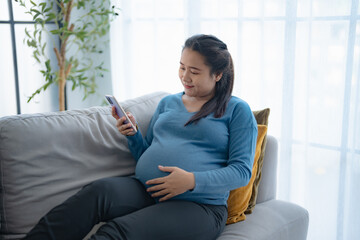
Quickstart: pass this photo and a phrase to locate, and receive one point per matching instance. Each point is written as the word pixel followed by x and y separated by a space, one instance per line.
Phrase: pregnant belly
pixel 147 166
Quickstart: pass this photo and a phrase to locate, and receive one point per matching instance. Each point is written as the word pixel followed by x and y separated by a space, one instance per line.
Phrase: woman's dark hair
pixel 218 58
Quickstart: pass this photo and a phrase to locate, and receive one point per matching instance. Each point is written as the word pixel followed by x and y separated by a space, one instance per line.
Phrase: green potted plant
pixel 80 41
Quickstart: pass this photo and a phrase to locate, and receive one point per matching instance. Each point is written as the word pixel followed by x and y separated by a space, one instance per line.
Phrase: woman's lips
pixel 188 87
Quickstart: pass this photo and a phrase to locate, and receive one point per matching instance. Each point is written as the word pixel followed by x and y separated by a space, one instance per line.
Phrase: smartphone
pixel 119 110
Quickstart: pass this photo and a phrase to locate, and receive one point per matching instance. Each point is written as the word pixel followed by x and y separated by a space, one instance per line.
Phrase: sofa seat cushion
pixel 274 219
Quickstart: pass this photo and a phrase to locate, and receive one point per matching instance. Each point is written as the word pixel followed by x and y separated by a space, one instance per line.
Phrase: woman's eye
pixel 195 73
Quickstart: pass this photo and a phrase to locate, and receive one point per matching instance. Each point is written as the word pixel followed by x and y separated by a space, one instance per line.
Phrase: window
pixel 301 58
pixel 20 72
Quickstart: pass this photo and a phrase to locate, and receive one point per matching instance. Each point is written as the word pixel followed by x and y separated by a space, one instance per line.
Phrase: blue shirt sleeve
pixel 242 144
pixel 137 143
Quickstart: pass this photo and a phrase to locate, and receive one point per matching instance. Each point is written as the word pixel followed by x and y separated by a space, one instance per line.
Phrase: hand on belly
pixel 177 182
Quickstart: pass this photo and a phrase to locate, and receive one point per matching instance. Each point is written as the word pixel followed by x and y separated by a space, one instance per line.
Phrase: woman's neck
pixel 194 104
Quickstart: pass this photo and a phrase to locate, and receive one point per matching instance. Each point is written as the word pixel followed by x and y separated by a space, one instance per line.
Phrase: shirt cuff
pixel 135 138
pixel 200 182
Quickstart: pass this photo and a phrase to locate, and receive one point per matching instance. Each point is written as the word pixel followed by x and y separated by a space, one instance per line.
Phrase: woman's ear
pixel 218 77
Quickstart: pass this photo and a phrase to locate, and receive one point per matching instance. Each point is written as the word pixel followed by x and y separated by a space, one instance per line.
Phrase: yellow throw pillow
pixel 261 117
pixel 239 198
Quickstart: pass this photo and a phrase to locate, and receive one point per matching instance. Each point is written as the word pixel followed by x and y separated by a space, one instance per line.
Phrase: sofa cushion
pixel 45 158
pixel 239 198
pixel 274 219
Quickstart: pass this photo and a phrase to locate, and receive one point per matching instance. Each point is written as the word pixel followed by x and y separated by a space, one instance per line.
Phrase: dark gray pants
pixel 130 213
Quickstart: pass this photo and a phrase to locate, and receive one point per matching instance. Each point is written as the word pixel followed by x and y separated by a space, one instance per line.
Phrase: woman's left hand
pixel 177 182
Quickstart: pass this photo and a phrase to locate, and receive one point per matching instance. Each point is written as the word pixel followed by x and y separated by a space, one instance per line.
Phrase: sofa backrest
pixel 267 185
pixel 45 158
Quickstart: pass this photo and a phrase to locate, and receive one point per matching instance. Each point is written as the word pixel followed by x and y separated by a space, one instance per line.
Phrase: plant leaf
pixel 27 33
pixel 43 49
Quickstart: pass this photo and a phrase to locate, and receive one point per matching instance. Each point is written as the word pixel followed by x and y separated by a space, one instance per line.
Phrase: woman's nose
pixel 185 76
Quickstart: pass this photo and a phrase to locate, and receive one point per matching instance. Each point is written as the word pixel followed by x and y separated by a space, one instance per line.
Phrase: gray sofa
pixel 45 158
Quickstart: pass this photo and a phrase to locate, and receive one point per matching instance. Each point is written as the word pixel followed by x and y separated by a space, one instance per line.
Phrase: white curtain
pixel 300 58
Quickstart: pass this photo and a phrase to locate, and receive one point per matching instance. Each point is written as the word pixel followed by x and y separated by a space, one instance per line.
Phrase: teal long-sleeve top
pixel 218 151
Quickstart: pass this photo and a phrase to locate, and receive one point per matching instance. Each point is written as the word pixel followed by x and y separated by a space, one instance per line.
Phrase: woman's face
pixel 195 75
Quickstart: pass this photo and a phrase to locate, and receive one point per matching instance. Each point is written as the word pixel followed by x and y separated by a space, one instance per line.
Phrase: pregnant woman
pixel 199 145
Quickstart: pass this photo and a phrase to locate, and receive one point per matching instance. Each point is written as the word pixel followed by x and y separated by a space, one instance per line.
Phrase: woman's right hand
pixel 124 129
